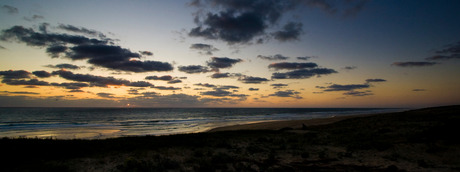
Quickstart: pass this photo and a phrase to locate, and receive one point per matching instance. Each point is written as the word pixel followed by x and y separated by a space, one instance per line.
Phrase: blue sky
pixel 358 53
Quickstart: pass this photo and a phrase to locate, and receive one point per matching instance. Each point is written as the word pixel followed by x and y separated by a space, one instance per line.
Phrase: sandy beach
pixel 416 140
pixel 289 124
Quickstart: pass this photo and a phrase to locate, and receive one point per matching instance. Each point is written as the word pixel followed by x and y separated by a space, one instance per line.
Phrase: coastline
pixel 291 124
pixel 414 140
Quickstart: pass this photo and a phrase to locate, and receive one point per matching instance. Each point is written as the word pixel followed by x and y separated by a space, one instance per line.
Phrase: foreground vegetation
pixel 419 140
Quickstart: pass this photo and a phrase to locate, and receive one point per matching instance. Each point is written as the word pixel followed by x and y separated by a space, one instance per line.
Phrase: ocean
pixel 101 123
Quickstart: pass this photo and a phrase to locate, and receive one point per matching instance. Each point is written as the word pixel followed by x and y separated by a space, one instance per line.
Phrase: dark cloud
pixel 96 52
pixel 174 81
pixel 349 87
pixel 76 91
pixel 278 85
pixel 166 88
pixel 418 89
pixel 106 95
pixel 115 57
pixel 304 58
pixel 275 57
pixel 63 66
pixel 82 30
pixel 225 75
pixel 146 53
pixel 216 93
pixel 71 85
pixel 2 48
pixel 451 51
pixel 413 64
pixel 99 81
pixel 139 84
pixel 34 17
pixel 192 69
pixel 252 80
pixel 253 89
pixel 349 67
pixel 291 32
pixel 25 82
pixel 303 73
pixel 55 50
pixel 375 80
pixel 163 78
pixel 42 74
pixel 228 87
pixel 204 48
pixel 287 93
pixel 15 74
pixel 205 85
pixel 443 57
pixel 358 93
pixel 10 9
pixel 222 62
pixel 19 92
pixel 241 22
pixel 292 65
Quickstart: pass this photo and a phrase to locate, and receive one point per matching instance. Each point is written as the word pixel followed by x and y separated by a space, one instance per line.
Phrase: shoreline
pixel 291 124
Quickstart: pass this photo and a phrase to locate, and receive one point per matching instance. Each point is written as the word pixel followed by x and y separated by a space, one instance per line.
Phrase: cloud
pixel 349 87
pixel 413 64
pixel 2 48
pixel 42 74
pixel 174 81
pixel 252 80
pixel 216 93
pixel 244 22
pixel 146 53
pixel 19 92
pixel 193 69
pixel 15 74
pixel 253 89
pixel 292 65
pixel 82 30
pixel 304 58
pixel 228 87
pixel 34 17
pixel 418 89
pixel 205 85
pixel 115 57
pixel 287 93
pixel 303 73
pixel 225 75
pixel 275 57
pixel 204 48
pixel 375 80
pixel 166 88
pixel 222 62
pixel 10 9
pixel 350 67
pixel 25 82
pixel 71 85
pixel 358 93
pixel 291 32
pixel 451 51
pixel 106 95
pixel 162 78
pixel 64 66
pixel 279 85
pixel 96 52
pixel 99 81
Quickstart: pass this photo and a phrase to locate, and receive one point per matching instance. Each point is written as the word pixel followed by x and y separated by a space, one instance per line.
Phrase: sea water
pixel 100 123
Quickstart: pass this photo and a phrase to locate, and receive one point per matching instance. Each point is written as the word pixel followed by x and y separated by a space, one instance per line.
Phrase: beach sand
pixel 416 140
pixel 289 124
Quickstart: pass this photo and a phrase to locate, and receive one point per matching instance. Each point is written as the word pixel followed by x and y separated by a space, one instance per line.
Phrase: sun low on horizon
pixel 214 53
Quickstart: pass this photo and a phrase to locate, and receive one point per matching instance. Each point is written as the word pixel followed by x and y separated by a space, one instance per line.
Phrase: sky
pixel 230 53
